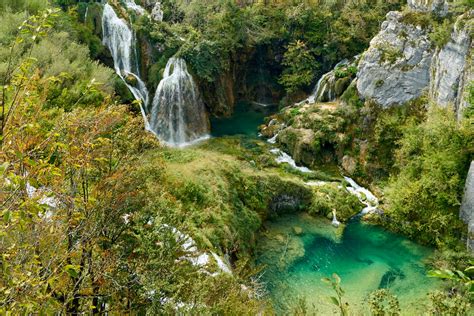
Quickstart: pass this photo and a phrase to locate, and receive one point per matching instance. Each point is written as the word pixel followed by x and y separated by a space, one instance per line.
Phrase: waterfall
pixel 283 157
pixel 335 222
pixel 178 114
pixel 365 196
pixel 324 90
pixel 119 39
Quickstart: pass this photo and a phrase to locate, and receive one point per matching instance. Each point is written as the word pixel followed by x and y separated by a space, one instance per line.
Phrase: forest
pixel 233 157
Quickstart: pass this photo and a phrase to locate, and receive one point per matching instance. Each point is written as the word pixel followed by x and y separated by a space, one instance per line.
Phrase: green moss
pixel 417 18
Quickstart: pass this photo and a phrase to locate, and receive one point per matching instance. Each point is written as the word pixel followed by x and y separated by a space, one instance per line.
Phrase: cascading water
pixel 119 38
pixel 365 197
pixel 178 115
pixel 323 90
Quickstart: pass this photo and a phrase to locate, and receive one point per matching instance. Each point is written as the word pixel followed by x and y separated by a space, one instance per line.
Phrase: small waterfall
pixel 324 91
pixel 335 222
pixel 178 114
pixel 86 14
pixel 285 158
pixel 119 38
pixel 365 197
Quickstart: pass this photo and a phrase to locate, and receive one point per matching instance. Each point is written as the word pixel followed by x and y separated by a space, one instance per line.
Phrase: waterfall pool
pixel 245 120
pixel 298 250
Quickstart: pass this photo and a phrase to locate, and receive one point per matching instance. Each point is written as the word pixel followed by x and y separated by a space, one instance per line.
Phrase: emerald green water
pixel 245 120
pixel 366 257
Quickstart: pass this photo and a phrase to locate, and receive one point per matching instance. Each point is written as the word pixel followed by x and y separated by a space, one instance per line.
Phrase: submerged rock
pixel 297 230
pixel 389 277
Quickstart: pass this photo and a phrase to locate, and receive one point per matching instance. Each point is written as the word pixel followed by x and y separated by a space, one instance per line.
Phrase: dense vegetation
pixel 89 199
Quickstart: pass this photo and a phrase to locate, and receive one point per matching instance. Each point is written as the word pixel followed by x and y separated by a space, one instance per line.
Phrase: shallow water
pixel 245 121
pixel 366 257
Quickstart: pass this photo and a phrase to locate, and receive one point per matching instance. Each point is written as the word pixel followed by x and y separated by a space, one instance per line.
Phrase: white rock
pixel 390 82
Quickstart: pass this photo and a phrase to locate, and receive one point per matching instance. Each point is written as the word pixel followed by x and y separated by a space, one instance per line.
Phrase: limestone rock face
pixel 157 12
pixel 451 70
pixel 439 7
pixel 396 67
pixel 467 207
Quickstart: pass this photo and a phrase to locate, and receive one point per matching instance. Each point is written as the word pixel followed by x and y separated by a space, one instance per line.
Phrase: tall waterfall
pixel 178 114
pixel 120 40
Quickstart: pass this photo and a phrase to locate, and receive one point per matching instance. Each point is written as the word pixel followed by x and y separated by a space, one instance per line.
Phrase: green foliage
pixel 30 6
pixel 382 302
pixel 329 198
pixel 464 278
pixel 415 18
pixel 449 304
pixel 300 67
pixel 423 198
pixel 337 300
pixel 345 71
pixel 441 33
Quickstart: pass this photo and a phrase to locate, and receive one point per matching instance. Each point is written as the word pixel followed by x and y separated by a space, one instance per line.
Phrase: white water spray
pixel 178 114
pixel 285 158
pixel 120 40
pixel 365 197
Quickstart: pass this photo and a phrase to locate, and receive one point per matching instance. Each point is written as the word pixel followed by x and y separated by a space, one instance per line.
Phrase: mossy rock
pixel 131 80
pixel 341 85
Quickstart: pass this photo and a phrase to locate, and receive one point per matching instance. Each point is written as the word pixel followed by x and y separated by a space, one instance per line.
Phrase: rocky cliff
pixel 467 207
pixel 403 62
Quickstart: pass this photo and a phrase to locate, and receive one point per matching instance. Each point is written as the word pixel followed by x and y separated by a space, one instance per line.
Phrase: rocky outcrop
pixel 219 95
pixel 402 64
pixel 157 12
pixel 440 7
pixel 396 67
pixel 451 69
pixel 467 207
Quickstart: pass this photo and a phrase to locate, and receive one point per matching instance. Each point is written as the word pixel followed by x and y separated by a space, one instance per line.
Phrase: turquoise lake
pixel 246 119
pixel 297 251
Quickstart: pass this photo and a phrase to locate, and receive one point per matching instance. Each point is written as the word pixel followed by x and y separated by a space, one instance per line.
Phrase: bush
pixel 424 197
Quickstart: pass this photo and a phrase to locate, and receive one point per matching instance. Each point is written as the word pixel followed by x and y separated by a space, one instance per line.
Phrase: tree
pixel 300 67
